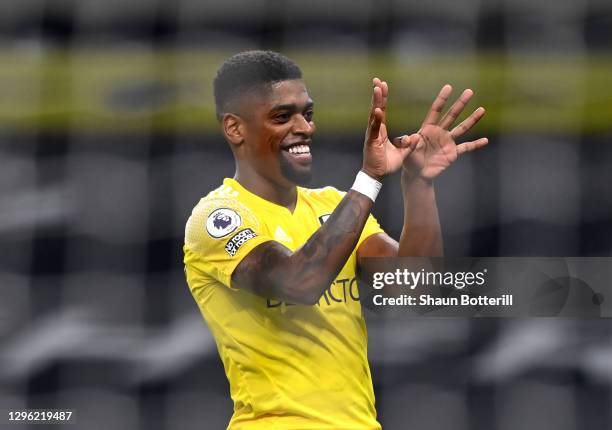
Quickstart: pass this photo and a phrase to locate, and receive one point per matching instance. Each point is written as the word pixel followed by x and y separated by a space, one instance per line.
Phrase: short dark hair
pixel 248 70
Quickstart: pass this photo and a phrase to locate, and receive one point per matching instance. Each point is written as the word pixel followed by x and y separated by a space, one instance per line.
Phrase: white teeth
pixel 300 149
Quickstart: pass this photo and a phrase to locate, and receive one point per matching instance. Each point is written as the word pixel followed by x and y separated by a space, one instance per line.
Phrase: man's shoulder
pixel 216 216
pixel 222 192
pixel 220 213
pixel 222 196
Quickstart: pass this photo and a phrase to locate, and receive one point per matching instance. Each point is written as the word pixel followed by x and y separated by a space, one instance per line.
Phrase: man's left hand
pixel 437 147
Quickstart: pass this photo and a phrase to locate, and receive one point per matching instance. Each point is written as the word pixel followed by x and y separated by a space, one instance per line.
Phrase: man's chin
pixel 301 175
pixel 301 178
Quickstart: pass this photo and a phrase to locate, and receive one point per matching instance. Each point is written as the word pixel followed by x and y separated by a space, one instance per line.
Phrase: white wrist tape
pixel 366 185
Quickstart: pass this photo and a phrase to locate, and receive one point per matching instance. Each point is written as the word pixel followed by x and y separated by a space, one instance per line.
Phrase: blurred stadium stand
pixel 108 139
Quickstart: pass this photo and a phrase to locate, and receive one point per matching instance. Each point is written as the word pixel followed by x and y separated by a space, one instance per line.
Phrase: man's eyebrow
pixel 292 106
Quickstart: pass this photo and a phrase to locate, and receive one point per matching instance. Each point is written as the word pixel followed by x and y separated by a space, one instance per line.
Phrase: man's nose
pixel 303 126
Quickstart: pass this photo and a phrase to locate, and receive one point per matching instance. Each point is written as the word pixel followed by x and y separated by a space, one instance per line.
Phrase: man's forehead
pixel 290 92
pixel 276 95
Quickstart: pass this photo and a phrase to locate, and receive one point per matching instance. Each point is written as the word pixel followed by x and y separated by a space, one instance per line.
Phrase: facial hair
pixel 301 177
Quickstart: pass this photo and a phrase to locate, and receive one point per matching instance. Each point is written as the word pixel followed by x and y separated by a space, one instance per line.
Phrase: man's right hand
pixel 381 156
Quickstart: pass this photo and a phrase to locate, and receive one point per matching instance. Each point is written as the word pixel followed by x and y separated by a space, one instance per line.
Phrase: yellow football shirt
pixel 289 366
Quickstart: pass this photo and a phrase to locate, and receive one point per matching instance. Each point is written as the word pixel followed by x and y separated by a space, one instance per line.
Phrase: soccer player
pixel 272 265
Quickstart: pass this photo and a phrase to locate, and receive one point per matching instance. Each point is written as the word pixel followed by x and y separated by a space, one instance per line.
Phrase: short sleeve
pixel 218 235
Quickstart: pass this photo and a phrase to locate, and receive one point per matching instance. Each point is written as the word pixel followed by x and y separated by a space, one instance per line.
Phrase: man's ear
pixel 233 128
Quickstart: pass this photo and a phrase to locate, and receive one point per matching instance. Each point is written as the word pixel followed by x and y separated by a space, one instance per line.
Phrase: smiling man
pixel 272 265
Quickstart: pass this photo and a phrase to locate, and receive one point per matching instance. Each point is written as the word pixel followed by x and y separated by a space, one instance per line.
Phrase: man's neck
pixel 272 192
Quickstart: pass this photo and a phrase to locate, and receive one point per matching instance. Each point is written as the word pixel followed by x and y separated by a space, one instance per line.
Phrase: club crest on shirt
pixel 323 218
pixel 222 222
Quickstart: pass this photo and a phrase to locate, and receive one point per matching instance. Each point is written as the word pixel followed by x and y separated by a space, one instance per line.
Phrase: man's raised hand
pixel 381 156
pixel 437 147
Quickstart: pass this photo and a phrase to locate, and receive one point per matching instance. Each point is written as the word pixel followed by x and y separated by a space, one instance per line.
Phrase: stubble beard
pixel 300 177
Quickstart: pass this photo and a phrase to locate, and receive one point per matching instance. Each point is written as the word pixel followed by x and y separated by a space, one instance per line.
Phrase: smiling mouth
pixel 299 152
pixel 299 149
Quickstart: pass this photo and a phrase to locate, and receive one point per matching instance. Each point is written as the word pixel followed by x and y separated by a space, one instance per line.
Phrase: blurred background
pixel 108 139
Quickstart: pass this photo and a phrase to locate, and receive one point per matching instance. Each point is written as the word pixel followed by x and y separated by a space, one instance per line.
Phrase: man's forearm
pixel 271 270
pixel 315 265
pixel 421 235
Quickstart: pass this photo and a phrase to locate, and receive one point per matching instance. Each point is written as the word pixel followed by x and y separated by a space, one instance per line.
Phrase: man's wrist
pixel 371 174
pixel 366 185
pixel 410 177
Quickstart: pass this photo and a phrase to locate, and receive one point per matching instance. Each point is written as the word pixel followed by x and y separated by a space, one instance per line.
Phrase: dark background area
pixel 95 314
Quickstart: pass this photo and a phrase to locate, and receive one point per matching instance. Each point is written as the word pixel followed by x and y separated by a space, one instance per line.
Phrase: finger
pixel 438 105
pixel 374 128
pixel 406 141
pixel 375 84
pixel 456 109
pixel 468 123
pixel 385 96
pixel 401 141
pixel 471 146
pixel 376 98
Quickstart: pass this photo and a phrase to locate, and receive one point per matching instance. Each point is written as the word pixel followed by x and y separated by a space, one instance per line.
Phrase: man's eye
pixel 282 117
pixel 308 115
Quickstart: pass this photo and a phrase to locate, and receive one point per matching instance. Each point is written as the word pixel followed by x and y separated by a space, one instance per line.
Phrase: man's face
pixel 279 129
